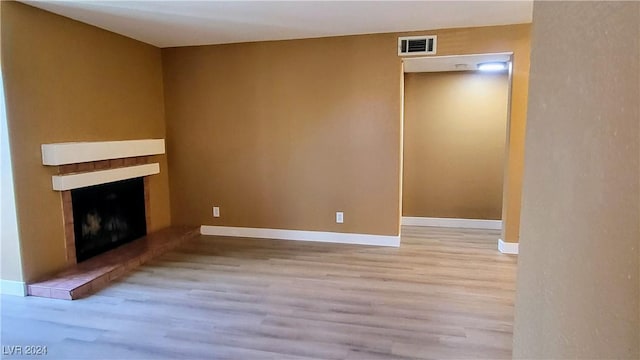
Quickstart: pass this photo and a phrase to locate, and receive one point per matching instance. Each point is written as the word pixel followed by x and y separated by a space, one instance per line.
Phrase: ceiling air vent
pixel 417 45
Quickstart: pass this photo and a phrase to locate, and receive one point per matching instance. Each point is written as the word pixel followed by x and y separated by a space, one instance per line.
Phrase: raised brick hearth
pixel 94 274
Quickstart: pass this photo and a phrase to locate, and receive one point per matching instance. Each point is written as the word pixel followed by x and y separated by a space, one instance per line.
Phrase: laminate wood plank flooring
pixel 444 294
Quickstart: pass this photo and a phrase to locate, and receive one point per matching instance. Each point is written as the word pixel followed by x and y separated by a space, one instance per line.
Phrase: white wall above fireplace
pixel 79 152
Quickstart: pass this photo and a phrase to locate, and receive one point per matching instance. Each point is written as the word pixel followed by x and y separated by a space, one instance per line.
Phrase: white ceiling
pixel 183 23
pixel 451 63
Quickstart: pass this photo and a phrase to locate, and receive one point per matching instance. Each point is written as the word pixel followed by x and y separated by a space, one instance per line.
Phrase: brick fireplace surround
pixel 81 279
pixel 67 209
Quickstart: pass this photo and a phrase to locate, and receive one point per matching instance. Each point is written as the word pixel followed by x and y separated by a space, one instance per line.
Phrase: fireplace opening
pixel 107 216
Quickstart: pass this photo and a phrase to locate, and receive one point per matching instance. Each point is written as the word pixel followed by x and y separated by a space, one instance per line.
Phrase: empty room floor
pixel 445 293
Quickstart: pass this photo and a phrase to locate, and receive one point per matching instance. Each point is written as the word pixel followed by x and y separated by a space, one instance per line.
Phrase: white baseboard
pixel 451 222
pixel 300 235
pixel 507 247
pixel 9 287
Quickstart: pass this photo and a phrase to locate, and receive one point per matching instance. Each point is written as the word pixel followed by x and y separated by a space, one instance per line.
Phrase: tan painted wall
pixel 578 291
pixel 283 134
pixel 10 266
pixel 454 144
pixel 67 81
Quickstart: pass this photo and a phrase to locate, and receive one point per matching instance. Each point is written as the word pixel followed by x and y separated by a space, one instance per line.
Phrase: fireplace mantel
pixel 100 162
pixel 79 152
pixel 76 181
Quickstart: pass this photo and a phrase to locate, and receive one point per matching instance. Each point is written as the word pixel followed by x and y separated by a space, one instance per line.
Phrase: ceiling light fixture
pixel 493 66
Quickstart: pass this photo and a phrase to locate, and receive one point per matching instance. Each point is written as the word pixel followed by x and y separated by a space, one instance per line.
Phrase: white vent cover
pixel 417 45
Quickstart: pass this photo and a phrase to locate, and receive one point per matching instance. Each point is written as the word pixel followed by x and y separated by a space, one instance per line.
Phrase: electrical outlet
pixel 339 217
pixel 216 211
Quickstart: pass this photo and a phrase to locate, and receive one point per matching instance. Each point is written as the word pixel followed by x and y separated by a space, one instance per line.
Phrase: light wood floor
pixel 445 293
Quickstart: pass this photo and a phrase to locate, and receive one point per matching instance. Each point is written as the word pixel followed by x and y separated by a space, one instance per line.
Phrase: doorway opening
pixel 456 112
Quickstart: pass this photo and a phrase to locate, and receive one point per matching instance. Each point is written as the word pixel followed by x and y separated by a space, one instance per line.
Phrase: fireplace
pixel 108 215
pixel 77 209
pixel 105 192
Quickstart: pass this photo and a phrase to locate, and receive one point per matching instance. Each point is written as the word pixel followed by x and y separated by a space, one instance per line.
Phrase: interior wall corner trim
pixel 452 222
pixel 302 235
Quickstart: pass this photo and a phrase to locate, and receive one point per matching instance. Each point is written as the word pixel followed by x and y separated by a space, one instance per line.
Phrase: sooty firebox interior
pixel 107 216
